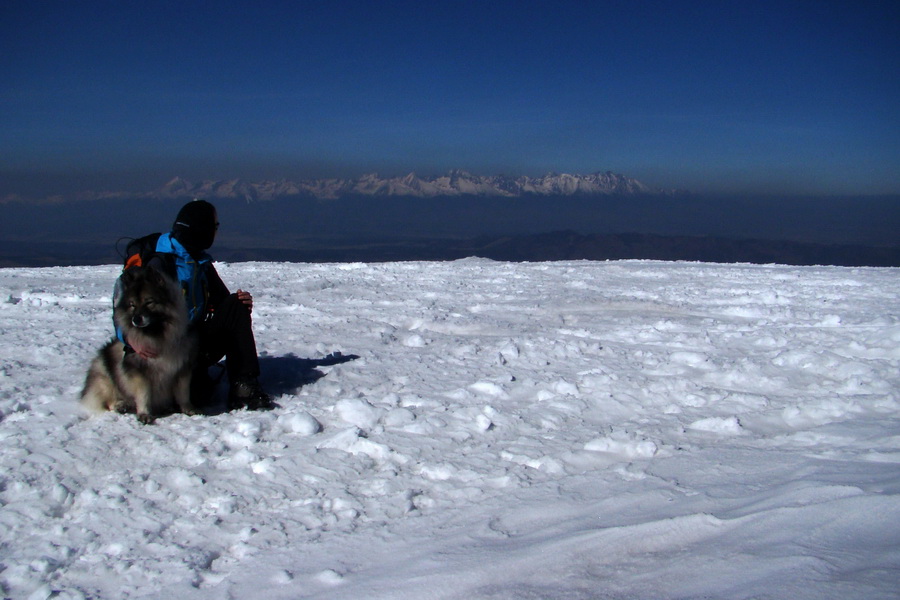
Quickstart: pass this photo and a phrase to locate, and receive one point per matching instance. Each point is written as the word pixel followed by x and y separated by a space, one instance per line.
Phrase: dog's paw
pixel 146 418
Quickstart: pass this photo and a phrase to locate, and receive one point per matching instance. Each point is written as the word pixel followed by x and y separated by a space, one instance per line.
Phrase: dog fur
pixel 152 375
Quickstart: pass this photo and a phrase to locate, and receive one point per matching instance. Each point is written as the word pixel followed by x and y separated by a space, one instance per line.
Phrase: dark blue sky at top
pixel 783 97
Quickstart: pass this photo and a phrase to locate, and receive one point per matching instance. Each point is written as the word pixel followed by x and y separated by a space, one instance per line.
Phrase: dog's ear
pixel 156 276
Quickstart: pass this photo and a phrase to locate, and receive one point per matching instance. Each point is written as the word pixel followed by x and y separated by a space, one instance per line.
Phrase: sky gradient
pixel 772 97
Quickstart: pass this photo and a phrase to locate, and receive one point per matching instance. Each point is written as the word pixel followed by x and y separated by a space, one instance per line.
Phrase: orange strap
pixel 133 261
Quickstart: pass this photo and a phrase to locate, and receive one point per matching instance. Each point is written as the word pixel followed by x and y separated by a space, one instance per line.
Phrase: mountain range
pixel 454 183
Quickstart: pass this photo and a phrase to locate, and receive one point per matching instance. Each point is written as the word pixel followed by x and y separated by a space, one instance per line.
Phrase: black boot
pixel 247 393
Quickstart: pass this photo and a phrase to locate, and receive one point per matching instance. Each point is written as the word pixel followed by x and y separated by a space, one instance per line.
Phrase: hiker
pixel 222 319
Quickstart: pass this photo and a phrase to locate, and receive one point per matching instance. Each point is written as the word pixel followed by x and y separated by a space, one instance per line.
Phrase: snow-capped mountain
pixel 231 188
pixel 454 183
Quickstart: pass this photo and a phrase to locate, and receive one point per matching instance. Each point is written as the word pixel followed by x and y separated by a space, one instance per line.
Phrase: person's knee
pixel 230 312
pixel 237 305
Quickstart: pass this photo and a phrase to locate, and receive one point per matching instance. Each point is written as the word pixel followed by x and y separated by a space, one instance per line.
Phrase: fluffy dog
pixel 151 374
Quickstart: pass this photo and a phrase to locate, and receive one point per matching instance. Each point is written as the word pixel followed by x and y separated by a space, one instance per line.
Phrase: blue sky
pixel 777 97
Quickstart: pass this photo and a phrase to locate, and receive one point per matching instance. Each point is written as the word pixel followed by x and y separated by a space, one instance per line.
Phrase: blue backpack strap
pixel 120 335
pixel 191 274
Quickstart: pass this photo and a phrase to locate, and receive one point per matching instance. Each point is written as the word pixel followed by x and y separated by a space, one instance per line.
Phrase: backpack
pixel 139 251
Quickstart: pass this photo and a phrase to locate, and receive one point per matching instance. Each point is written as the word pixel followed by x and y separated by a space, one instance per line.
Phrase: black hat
pixel 195 226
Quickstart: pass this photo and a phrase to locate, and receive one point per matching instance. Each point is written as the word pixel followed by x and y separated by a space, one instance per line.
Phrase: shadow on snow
pixel 280 375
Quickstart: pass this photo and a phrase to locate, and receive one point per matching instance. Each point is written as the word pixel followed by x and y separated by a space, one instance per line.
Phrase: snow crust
pixel 490 430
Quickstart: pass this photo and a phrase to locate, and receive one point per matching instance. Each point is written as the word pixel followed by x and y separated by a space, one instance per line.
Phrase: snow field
pixel 490 430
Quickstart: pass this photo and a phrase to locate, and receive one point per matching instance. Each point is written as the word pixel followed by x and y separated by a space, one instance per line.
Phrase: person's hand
pixel 246 298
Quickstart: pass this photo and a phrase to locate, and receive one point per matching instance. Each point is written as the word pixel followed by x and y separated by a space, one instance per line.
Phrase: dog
pixel 151 374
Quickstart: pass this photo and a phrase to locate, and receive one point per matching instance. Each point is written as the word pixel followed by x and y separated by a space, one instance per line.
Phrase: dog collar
pixel 130 350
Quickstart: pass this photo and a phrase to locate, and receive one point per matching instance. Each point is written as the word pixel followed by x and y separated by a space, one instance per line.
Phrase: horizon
pixel 723 99
pixel 162 187
pixel 156 187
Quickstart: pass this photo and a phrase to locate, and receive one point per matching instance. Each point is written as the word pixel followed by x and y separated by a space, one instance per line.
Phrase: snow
pixel 490 430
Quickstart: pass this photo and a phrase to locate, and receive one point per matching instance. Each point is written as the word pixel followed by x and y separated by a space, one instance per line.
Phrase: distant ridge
pixel 454 183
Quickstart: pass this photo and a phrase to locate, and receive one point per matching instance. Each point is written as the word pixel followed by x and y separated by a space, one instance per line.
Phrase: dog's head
pixel 143 298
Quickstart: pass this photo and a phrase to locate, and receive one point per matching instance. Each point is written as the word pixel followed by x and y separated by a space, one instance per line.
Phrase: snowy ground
pixel 561 430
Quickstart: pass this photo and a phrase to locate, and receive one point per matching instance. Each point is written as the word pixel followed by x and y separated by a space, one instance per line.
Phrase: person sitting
pixel 222 319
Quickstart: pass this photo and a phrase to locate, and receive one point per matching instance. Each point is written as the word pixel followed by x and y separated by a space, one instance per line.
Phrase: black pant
pixel 228 331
